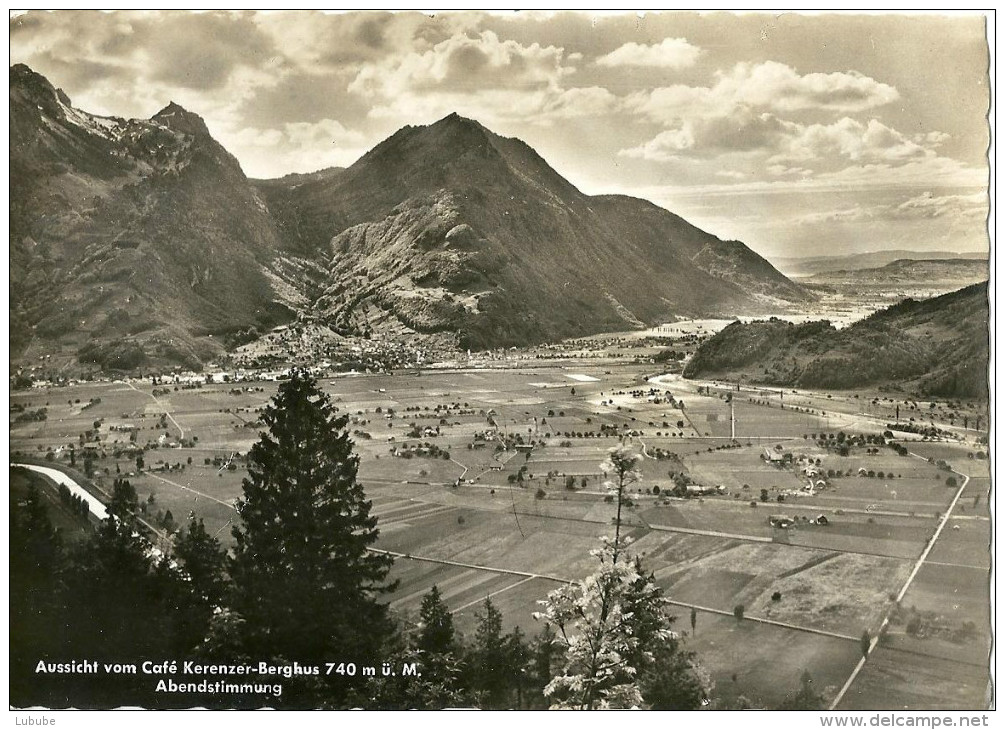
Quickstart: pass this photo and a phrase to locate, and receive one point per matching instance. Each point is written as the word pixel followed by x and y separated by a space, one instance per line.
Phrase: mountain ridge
pixel 142 242
pixel 937 346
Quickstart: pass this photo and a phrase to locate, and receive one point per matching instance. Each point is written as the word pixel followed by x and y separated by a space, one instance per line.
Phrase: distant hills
pixel 931 273
pixel 937 347
pixel 808 266
pixel 141 242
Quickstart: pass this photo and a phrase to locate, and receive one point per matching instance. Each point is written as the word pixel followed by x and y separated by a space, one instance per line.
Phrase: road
pixel 181 431
pixel 93 503
pixel 900 596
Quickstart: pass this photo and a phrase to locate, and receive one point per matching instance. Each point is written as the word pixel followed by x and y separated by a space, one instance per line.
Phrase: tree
pixel 35 562
pixel 436 625
pixel 621 467
pixel 619 647
pixel 544 654
pixel 738 611
pixel 121 599
pixel 304 580
pixel 203 560
pixel 865 642
pixel 694 620
pixel 488 658
pixel 125 501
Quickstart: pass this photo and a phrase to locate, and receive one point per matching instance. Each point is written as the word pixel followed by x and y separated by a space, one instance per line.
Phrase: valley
pixel 814 484
pixel 485 478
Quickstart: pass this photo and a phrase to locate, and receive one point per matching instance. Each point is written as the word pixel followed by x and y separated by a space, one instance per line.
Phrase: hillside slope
pixel 131 241
pixel 450 227
pixel 138 243
pixel 937 347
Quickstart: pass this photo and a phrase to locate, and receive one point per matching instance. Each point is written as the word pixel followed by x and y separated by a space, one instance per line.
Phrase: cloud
pixel 848 140
pixel 927 206
pixel 465 62
pixel 779 87
pixel 482 76
pixel 295 147
pixel 670 53
pixel 202 51
pixel 768 86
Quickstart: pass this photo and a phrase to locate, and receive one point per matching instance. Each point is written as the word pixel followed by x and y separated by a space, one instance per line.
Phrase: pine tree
pixel 35 563
pixel 304 580
pixel 125 501
pixel 436 628
pixel 203 560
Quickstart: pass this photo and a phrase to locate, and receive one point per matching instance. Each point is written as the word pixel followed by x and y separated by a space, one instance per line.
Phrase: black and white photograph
pixel 501 360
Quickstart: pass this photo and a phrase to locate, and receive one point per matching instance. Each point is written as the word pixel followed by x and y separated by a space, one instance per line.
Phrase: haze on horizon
pixel 800 135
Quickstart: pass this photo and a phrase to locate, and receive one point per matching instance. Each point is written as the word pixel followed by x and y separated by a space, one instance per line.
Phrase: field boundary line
pixel 194 491
pixel 181 431
pixel 711 533
pixel 469 604
pixel 768 621
pixel 900 596
pixel 455 563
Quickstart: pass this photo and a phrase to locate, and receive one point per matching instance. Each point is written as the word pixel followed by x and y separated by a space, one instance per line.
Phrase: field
pixel 461 505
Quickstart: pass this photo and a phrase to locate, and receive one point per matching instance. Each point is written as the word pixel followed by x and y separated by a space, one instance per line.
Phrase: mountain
pixel 808 266
pixel 937 347
pixel 141 243
pixel 132 242
pixel 452 228
pixel 951 273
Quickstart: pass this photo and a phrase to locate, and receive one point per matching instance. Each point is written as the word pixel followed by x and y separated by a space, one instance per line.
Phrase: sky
pixel 799 134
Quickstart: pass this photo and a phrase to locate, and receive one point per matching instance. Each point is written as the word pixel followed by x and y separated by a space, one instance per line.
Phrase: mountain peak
pixel 36 87
pixel 180 119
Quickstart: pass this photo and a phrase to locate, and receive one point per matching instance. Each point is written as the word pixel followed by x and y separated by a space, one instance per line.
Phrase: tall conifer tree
pixel 304 580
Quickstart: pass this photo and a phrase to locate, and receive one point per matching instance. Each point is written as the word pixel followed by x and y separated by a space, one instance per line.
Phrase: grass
pixel 767 661
pixel 899 680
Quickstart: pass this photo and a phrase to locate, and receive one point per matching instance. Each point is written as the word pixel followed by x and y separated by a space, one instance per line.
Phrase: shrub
pixel 776 596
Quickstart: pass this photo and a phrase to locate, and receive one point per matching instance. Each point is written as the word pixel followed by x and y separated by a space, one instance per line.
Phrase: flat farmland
pixel 965 541
pixel 492 535
pixel 518 601
pixel 818 589
pixel 950 597
pixel 895 537
pixel 894 679
pixel 764 663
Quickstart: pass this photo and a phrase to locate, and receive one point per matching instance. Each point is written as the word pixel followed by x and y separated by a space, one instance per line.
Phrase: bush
pixel 738 610
pixel 776 596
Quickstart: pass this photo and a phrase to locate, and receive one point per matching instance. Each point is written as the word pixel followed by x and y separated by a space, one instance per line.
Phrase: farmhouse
pixel 697 490
pixel 773 457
